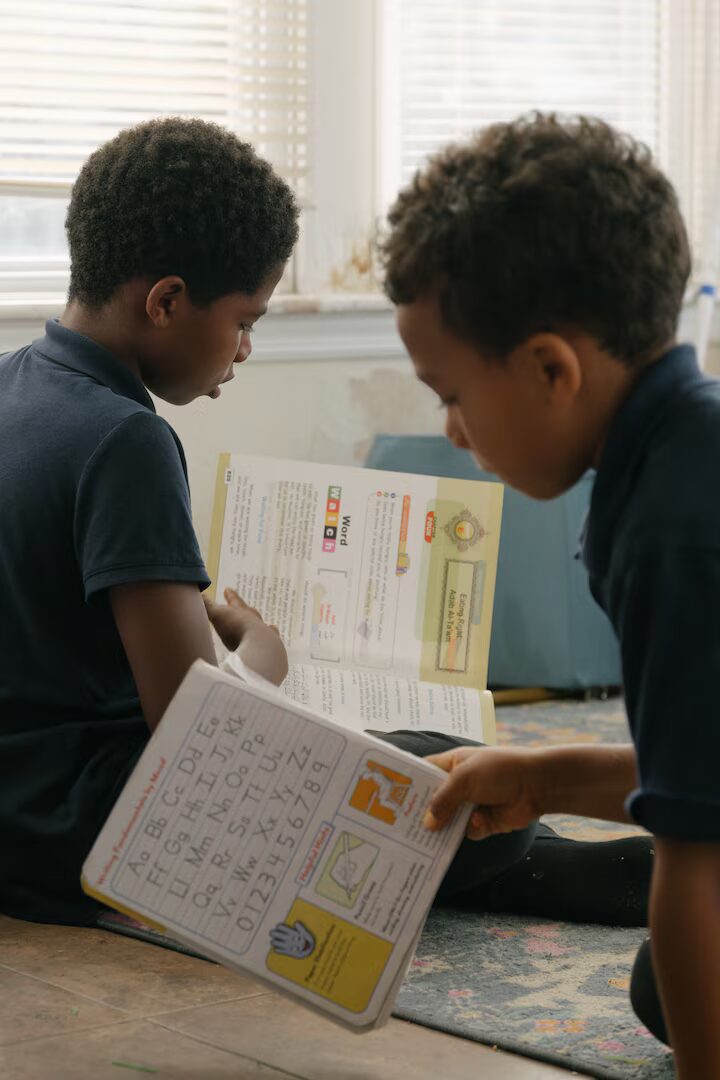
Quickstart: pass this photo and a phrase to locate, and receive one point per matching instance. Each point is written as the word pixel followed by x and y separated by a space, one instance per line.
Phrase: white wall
pixel 713 360
pixel 313 411
pixel 318 388
pixel 308 410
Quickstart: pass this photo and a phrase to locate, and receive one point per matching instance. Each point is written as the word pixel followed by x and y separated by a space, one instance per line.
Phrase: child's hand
pixel 233 619
pixel 498 781
pixel 241 628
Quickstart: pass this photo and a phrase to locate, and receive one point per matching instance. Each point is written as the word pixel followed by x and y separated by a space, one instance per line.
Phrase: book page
pixel 360 569
pixel 375 700
pixel 278 843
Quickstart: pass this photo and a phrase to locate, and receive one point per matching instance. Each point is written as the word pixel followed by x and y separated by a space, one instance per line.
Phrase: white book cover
pixel 278 843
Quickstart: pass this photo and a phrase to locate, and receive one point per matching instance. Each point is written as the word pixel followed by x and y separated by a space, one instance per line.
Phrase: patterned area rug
pixel 553 991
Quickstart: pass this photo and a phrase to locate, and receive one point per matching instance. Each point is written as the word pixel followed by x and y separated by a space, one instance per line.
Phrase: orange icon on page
pixel 380 792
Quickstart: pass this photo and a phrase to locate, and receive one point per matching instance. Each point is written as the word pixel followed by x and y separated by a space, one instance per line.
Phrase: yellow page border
pixel 112 902
pixel 217 523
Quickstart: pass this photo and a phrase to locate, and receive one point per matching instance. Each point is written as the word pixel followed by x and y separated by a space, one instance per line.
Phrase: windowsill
pixel 23 306
pixel 293 304
pixel 329 327
pixel 325 327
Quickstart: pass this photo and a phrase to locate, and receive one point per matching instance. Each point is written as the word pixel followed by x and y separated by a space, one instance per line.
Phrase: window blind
pixel 699 152
pixel 75 72
pixel 463 64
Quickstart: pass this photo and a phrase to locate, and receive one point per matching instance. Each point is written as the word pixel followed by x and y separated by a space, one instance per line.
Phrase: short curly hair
pixel 539 223
pixel 177 196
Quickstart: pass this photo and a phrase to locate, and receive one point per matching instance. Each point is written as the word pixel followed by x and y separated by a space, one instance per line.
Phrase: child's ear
pixel 554 362
pixel 162 301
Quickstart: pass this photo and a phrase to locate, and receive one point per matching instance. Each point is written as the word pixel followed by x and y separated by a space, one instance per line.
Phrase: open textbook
pixel 380 583
pixel 279 843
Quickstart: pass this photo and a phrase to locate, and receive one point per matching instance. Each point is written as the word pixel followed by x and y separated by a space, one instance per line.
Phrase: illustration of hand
pixel 295 941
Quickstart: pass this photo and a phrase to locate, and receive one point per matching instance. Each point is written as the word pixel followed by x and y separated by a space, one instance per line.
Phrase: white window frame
pixel 354 107
pixel 40 282
pixel 675 100
pixel 685 92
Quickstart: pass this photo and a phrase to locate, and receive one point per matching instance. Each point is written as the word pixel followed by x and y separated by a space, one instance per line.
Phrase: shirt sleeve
pixel 669 628
pixel 132 513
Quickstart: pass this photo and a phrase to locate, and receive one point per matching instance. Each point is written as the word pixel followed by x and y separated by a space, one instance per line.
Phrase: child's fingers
pixel 223 619
pixel 478 826
pixel 484 822
pixel 211 609
pixel 233 599
pixel 443 761
pixel 456 790
pixel 451 759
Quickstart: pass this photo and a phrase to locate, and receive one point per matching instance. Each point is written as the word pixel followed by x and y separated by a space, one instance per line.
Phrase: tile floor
pixel 89 1005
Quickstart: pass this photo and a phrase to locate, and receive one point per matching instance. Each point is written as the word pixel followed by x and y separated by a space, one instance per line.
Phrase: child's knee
pixel 423 743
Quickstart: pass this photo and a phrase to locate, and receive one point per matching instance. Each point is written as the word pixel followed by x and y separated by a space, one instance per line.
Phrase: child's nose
pixel 455 433
pixel 244 350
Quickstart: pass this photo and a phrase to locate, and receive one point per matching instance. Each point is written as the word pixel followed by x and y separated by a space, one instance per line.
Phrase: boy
pixel 538 273
pixel 178 236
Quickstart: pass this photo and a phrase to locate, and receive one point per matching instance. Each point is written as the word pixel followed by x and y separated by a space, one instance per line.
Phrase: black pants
pixel 644 996
pixel 476 862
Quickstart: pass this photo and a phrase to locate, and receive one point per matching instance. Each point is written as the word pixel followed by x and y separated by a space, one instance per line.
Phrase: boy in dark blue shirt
pixel 539 272
pixel 178 235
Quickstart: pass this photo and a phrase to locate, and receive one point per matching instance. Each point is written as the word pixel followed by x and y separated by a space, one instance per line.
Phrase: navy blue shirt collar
pixel 80 353
pixel 646 406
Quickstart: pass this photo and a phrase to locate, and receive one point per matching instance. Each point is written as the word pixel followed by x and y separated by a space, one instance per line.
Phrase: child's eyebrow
pixel 253 316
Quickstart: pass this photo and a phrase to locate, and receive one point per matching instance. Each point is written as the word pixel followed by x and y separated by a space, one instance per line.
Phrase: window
pixel 75 72
pixel 346 97
pixel 466 64
pixel 649 67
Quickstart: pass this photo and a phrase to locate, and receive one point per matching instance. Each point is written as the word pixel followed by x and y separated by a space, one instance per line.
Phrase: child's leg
pixel 56 790
pixel 644 996
pixel 536 872
pixel 606 882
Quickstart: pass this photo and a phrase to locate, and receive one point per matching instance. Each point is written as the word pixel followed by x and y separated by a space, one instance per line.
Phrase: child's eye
pixel 445 403
pixel 246 329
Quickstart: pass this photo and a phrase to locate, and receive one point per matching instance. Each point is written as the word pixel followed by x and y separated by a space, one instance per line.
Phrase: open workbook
pixel 380 583
pixel 279 843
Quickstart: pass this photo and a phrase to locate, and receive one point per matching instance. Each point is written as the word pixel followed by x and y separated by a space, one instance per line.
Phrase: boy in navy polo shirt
pixel 178 235
pixel 539 272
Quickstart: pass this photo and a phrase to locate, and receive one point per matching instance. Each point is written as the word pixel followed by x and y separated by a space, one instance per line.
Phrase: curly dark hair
pixel 178 196
pixel 540 223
